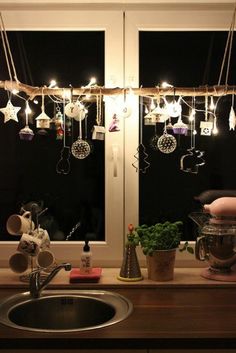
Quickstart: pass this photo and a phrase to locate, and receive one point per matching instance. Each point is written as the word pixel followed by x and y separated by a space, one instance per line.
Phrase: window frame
pixel 110 251
pixel 165 19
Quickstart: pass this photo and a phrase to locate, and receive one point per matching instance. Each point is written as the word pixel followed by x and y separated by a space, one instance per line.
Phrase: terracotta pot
pixel 161 264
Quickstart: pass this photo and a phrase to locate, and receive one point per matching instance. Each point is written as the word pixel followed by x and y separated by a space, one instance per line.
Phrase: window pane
pixel 28 168
pixel 185 59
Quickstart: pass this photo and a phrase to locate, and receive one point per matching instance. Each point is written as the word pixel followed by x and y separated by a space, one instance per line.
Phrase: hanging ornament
pixel 72 110
pixel 86 135
pixel 180 128
pixel 166 143
pixel 43 120
pixel 10 112
pixel 174 108
pixel 80 148
pixel 114 125
pixel 63 165
pixel 26 133
pixel 232 117
pixel 82 112
pixel 141 164
pixel 153 140
pixel 98 131
pixel 206 126
pixel 125 109
pixel 193 159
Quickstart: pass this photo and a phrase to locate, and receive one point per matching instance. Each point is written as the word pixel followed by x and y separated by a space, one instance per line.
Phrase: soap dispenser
pixel 86 259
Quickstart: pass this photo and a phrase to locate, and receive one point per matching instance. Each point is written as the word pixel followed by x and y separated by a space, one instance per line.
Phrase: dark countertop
pixel 163 317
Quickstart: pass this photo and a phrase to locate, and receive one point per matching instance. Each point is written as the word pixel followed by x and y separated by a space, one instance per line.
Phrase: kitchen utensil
pixel 216 243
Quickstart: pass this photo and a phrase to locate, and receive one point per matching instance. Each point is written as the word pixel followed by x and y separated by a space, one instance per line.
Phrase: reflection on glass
pixel 72 191
pixel 189 59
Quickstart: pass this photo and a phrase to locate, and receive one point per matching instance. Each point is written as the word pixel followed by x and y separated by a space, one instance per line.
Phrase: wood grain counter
pixel 164 316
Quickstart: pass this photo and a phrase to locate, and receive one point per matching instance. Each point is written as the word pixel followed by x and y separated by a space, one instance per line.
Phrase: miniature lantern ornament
pixel 43 120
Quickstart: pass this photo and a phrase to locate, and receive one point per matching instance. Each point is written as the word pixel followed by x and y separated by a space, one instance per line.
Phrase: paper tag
pixel 206 127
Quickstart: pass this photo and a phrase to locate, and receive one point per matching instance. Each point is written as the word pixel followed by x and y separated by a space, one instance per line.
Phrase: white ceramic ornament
pixel 72 110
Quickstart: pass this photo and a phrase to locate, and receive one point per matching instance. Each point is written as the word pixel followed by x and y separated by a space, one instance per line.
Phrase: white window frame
pixel 182 18
pixel 110 251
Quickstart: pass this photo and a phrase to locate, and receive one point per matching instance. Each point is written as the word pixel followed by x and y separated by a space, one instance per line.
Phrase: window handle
pixel 115 160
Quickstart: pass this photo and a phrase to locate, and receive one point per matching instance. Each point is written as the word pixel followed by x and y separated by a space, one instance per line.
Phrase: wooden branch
pixel 32 92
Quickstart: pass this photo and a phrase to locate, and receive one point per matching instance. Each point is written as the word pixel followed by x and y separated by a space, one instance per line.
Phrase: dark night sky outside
pixel 184 59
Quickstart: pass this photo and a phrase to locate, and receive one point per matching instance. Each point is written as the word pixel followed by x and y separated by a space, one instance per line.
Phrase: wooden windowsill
pixel 183 277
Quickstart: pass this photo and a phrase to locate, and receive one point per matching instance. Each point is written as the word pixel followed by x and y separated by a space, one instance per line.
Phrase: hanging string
pixel 6 47
pixel 228 48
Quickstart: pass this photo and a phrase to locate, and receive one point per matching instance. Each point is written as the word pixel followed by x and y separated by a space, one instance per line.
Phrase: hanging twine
pixel 228 49
pixel 7 51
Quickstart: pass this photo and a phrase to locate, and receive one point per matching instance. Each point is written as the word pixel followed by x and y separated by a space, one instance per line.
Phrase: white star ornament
pixel 10 112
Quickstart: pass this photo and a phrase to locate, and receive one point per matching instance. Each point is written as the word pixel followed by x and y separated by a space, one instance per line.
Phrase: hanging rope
pixel 7 51
pixel 228 49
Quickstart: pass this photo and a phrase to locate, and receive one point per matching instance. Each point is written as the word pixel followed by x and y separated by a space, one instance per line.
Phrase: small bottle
pixel 86 259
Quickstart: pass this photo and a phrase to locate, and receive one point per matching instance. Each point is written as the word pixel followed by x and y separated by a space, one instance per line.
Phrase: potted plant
pixel 159 243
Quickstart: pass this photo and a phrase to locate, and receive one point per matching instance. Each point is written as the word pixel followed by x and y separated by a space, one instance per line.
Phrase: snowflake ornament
pixel 10 112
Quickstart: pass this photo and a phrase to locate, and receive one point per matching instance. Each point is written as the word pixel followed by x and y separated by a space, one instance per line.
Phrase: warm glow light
pixel 92 81
pixel 66 94
pixel 152 106
pixel 212 104
pixel 146 110
pixel 215 130
pixel 194 132
pixel 28 109
pixel 15 91
pixel 165 85
pixel 192 115
pixel 52 84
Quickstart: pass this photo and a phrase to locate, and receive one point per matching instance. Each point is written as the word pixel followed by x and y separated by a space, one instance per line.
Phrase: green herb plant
pixel 161 236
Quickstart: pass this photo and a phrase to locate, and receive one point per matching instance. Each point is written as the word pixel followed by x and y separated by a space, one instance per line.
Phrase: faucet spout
pixel 36 285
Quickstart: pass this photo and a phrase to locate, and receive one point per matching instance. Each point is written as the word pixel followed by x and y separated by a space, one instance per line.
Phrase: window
pixel 185 59
pixel 111 24
pixel 121 67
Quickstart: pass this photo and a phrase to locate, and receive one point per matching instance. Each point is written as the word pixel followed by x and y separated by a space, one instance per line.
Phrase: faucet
pixel 36 285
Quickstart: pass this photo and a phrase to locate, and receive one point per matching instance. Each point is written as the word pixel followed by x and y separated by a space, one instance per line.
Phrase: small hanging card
pixel 98 132
pixel 206 128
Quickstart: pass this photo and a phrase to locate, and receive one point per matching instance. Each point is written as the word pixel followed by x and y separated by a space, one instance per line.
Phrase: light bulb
pixel 52 83
pixel 152 106
pixel 28 109
pixel 146 110
pixel 192 115
pixel 212 104
pixel 215 130
pixel 166 85
pixel 92 81
pixel 194 132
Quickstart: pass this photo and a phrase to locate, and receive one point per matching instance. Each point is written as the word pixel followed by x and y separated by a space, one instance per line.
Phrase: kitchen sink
pixel 64 311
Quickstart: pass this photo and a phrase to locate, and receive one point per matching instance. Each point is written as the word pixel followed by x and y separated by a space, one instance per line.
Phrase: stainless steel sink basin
pixel 64 311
